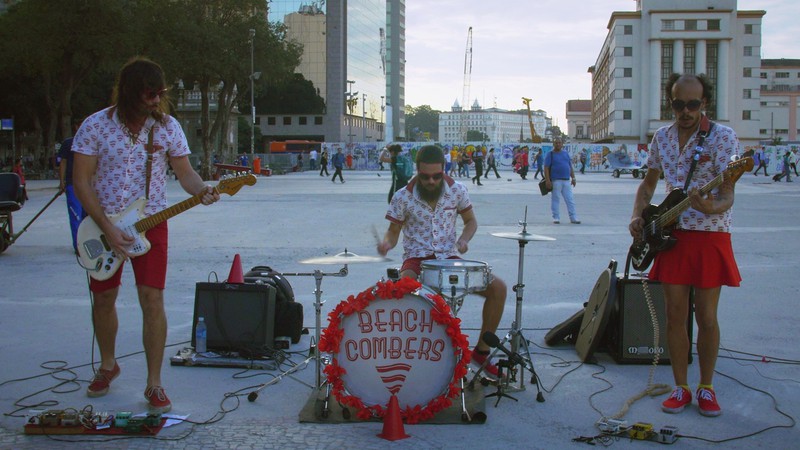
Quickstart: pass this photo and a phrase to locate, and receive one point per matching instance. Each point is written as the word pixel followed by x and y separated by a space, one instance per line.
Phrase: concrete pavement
pixel 45 319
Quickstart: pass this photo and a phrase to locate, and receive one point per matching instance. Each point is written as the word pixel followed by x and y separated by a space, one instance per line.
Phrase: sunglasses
pixel 436 176
pixel 155 93
pixel 691 105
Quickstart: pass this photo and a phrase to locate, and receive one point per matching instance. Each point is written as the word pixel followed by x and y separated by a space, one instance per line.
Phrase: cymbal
pixel 522 236
pixel 345 258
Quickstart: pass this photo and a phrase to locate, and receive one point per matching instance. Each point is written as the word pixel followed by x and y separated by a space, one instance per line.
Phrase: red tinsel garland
pixel 333 334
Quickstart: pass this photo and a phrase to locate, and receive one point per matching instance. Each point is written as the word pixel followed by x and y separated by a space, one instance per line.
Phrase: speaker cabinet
pixel 239 317
pixel 629 336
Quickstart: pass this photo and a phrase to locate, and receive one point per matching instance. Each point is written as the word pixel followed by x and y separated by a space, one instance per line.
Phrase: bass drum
pixel 394 346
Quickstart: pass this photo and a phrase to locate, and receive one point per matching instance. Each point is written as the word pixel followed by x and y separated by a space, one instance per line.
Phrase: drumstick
pixel 377 236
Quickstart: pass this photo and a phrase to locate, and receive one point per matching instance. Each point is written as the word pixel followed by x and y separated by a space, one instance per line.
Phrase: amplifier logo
pixel 644 350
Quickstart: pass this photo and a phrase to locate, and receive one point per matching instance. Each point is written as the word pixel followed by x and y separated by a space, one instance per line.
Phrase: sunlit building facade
pixel 354 54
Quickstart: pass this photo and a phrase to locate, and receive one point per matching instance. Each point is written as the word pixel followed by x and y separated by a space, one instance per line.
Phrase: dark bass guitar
pixel 661 219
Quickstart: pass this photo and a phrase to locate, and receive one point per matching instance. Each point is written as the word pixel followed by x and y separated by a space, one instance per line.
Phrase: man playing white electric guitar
pixel 112 172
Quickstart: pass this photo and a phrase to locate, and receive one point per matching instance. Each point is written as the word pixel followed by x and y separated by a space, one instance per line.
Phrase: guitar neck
pixel 151 221
pixel 672 215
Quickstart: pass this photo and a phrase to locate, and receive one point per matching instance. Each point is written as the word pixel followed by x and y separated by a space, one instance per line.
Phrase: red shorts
pixel 415 264
pixel 149 269
pixel 703 259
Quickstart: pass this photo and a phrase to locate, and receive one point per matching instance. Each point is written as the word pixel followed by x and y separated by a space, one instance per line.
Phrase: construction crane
pixel 535 138
pixel 462 130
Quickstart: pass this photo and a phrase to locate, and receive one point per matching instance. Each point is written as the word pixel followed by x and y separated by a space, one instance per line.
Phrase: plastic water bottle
pixel 200 334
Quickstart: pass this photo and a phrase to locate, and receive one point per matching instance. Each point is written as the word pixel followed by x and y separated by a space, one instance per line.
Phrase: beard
pixel 430 194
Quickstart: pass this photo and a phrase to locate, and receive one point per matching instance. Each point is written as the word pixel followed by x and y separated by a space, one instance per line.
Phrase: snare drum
pixel 398 346
pixel 467 276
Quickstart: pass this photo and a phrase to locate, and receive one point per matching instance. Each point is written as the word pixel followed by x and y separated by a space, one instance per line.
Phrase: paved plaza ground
pixel 45 322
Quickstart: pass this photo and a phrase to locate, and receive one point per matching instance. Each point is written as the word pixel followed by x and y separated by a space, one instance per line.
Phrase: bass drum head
pixel 394 346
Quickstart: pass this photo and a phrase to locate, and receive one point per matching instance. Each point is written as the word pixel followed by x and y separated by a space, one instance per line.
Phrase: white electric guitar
pixel 94 252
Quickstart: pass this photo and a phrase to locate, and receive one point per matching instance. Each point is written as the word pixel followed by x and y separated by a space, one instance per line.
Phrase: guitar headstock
pixel 230 185
pixel 737 168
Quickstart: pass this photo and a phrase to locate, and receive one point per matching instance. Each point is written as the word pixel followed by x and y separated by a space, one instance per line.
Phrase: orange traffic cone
pixel 393 422
pixel 236 277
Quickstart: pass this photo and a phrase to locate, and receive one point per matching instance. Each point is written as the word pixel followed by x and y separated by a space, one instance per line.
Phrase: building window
pixel 627 93
pixel 627 72
pixel 667 25
pixel 748 28
pixel 627 51
pixel 762 131
pixel 712 70
pixel 747 93
pixel 271 120
pixel 287 120
pixel 763 75
pixel 317 120
pixel 689 57
pixel 781 74
pixel 748 50
pixel 745 115
pixel 303 120
pixel 626 114
pixel 666 71
pixel 747 72
pixel 712 25
pixel 579 132
pixel 627 29
pixel 690 25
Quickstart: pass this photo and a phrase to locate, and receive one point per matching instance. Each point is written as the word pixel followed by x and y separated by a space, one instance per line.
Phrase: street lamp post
pixel 364 116
pixel 383 108
pixel 350 107
pixel 252 92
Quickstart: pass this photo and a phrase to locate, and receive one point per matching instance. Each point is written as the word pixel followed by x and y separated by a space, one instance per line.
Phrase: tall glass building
pixel 345 56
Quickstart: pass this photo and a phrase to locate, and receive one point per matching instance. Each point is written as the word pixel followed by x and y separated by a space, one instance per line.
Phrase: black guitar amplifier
pixel 239 317
pixel 629 336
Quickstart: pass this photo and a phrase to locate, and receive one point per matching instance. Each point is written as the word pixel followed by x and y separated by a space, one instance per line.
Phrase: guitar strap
pixel 151 149
pixel 705 128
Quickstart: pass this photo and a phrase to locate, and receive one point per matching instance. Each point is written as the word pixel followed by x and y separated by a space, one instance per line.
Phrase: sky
pixel 540 49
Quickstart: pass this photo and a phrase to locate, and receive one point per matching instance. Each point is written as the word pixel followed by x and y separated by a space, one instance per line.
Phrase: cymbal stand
pixel 318 302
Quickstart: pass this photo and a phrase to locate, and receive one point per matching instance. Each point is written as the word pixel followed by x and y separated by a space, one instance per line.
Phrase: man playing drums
pixel 426 210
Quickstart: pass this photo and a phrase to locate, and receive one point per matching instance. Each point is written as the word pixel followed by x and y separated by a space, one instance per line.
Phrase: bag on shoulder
pixel 543 187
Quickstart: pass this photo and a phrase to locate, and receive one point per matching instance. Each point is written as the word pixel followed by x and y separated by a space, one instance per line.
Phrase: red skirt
pixel 703 259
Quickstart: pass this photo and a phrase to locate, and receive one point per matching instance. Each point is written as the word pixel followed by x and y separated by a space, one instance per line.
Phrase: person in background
pixel 75 211
pixel 338 164
pixel 561 179
pixel 491 164
pixel 20 171
pixel 323 164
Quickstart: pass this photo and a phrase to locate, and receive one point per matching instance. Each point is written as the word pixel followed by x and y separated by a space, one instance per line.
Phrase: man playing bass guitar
pixel 702 256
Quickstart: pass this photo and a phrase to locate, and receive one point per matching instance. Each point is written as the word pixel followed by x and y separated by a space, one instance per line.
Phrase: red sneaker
pixel 707 400
pixel 102 381
pixel 678 400
pixel 479 360
pixel 157 400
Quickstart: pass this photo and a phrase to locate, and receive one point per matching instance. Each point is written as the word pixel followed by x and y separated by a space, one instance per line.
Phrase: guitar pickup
pixel 96 247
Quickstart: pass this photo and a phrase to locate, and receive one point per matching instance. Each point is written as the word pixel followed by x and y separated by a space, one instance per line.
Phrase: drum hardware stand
pixel 314 353
pixel 500 392
pixel 515 333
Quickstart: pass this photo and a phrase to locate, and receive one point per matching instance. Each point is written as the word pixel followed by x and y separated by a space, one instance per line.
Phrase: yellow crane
pixel 535 138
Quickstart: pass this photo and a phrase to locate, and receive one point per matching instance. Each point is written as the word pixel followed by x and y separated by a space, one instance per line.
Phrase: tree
pixel 422 119
pixel 49 49
pixel 476 135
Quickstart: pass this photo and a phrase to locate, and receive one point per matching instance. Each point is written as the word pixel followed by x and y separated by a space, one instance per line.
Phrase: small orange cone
pixel 393 422
pixel 236 277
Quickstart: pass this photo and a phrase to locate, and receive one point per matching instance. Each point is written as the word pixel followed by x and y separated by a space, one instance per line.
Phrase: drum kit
pixel 368 359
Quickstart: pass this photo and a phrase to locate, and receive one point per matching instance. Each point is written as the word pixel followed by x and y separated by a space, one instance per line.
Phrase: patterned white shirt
pixel 665 155
pixel 428 231
pixel 121 163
